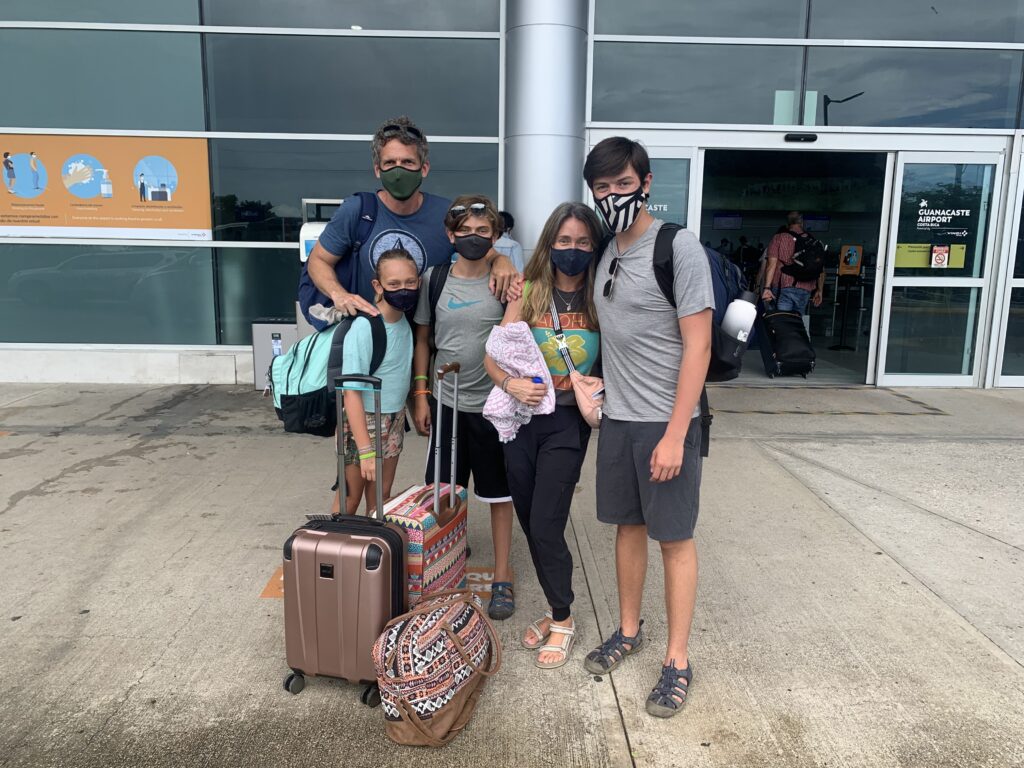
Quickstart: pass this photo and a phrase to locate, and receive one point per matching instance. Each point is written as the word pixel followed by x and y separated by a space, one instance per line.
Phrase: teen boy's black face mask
pixel 472 247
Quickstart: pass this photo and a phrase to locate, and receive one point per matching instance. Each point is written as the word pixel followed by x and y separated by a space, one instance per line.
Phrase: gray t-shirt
pixel 466 313
pixel 640 344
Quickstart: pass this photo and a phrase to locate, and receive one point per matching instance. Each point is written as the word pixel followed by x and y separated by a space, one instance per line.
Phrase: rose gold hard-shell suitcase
pixel 344 579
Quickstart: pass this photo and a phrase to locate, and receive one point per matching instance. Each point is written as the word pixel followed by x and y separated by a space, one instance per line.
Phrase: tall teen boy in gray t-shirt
pixel 655 358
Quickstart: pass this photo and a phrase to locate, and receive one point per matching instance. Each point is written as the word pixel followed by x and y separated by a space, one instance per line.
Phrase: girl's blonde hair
pixel 540 272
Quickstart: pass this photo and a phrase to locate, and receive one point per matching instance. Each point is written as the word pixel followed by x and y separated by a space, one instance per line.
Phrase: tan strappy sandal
pixel 535 626
pixel 566 650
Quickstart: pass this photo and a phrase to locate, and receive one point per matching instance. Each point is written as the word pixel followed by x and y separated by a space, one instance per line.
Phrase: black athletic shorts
pixel 479 454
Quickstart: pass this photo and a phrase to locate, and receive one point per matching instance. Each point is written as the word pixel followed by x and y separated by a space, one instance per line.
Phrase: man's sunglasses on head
pixel 410 129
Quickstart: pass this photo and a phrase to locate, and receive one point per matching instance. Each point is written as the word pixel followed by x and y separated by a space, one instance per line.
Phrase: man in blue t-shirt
pixel 406 218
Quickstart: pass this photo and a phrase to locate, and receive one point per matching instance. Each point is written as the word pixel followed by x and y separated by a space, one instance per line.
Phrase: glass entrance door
pixel 939 261
pixel 1009 336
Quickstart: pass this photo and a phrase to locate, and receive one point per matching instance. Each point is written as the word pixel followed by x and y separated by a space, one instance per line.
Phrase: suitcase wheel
pixel 294 683
pixel 370 696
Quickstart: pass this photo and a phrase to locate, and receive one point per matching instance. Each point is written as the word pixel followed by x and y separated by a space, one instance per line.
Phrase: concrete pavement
pixel 861 598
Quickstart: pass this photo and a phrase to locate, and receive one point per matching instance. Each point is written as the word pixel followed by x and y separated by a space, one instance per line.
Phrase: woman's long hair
pixel 540 272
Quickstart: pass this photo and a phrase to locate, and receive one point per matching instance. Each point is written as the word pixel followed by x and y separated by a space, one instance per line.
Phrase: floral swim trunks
pixel 392 440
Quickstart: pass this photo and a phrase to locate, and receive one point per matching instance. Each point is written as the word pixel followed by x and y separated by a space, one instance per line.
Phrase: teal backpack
pixel 302 379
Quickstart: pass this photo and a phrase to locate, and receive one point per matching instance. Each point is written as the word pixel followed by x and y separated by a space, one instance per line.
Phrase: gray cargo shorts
pixel 625 494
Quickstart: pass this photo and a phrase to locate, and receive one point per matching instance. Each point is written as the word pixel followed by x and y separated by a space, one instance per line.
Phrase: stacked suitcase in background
pixel 346 577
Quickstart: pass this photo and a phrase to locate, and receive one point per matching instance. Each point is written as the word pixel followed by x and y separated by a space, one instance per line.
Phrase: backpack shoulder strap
pixel 664 267
pixel 438 277
pixel 365 222
pixel 705 421
pixel 379 335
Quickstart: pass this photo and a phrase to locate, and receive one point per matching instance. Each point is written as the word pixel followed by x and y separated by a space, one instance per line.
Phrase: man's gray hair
pixel 403 129
pixel 795 218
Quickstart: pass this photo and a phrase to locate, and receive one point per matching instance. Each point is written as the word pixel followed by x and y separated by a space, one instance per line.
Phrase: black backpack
pixel 727 283
pixel 808 258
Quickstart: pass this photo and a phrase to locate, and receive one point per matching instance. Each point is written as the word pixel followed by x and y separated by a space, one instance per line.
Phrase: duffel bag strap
pixel 467 597
pixel 408 714
pixel 495 646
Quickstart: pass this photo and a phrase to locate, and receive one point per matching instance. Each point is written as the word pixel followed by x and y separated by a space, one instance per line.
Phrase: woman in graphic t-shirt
pixel 543 461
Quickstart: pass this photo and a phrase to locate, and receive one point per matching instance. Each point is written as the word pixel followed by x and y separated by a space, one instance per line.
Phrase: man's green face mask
pixel 400 182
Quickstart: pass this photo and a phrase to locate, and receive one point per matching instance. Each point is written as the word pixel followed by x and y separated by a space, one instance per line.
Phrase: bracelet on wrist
pixel 367 456
pixel 421 378
pixel 504 382
pixel 364 448
pixel 421 392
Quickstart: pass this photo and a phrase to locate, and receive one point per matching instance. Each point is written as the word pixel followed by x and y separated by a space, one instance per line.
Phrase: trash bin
pixel 271 336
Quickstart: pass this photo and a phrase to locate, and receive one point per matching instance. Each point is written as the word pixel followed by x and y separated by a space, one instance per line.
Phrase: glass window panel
pixel 271 83
pixel 254 283
pixel 110 11
pixel 86 294
pixel 913 88
pixel 945 211
pixel 1013 352
pixel 1018 266
pixel 259 185
pixel 670 190
pixel 674 83
pixel 428 15
pixel 994 20
pixel 699 18
pixel 932 330
pixel 123 80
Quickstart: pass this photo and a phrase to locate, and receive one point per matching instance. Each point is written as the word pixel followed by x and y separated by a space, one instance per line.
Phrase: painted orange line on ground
pixel 275 587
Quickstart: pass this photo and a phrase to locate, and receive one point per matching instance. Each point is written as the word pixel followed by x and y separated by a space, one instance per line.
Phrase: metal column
pixel 545 94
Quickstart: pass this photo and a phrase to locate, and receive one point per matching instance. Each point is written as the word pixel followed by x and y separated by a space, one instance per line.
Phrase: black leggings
pixel 543 465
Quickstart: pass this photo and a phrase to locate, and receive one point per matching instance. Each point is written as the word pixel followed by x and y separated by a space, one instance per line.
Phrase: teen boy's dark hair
pixel 614 155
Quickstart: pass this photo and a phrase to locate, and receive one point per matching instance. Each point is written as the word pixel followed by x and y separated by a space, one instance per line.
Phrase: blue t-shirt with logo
pixel 421 233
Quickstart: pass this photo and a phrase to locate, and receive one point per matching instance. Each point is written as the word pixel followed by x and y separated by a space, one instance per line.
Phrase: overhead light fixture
pixel 356 27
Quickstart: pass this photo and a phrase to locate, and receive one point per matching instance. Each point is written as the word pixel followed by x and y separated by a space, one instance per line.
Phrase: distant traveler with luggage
pixel 655 358
pixel 789 293
pixel 397 284
pixel 455 315
pixel 544 459
pixel 341 266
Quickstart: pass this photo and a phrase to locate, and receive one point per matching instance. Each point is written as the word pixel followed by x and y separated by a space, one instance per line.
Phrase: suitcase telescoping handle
pixel 372 382
pixel 444 370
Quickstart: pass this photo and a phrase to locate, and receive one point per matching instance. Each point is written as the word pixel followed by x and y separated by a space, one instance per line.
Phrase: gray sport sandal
pixel 613 651
pixel 674 683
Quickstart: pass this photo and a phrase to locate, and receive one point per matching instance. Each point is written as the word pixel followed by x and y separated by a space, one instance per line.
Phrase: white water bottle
pixel 739 317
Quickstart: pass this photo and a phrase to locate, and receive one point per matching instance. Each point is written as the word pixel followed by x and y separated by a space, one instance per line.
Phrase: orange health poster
pixel 105 187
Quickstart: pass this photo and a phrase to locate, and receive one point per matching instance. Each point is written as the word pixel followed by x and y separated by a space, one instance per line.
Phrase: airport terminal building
pixel 161 156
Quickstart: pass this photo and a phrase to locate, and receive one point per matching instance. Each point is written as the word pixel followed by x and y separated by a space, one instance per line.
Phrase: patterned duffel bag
pixel 431 666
